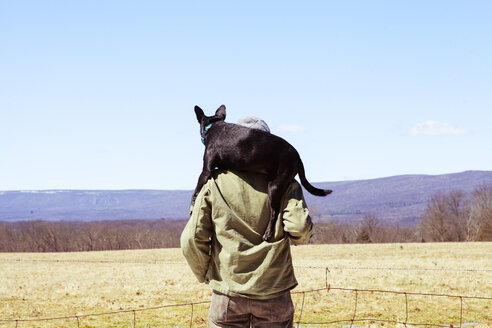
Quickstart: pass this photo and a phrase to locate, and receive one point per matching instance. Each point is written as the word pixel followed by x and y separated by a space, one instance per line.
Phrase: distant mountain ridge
pixel 400 199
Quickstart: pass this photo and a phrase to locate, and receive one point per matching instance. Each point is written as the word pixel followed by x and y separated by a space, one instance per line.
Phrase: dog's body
pixel 235 147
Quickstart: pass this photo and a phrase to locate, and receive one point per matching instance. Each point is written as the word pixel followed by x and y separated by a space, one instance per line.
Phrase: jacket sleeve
pixel 295 215
pixel 196 237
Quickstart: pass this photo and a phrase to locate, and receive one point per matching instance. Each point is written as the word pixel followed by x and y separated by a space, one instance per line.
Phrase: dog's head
pixel 206 121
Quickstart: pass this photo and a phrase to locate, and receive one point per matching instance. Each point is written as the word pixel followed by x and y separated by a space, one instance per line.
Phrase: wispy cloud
pixel 434 128
pixel 290 128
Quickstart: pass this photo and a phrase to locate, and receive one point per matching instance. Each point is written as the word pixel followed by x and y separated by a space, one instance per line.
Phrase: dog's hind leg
pixel 276 189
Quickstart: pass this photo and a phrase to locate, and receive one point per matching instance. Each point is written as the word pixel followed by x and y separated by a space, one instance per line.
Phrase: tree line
pixel 66 236
pixel 448 217
pixel 456 216
pixel 453 216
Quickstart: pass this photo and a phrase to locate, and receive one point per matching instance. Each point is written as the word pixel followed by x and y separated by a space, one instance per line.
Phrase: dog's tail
pixel 309 187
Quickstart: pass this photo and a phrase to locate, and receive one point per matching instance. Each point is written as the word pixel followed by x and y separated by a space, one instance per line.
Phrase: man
pixel 222 242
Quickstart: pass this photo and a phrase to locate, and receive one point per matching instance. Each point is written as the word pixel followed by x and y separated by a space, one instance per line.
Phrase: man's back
pixel 223 239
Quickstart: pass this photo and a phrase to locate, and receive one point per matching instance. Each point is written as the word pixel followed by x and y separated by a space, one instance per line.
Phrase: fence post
pixel 355 308
pixel 406 309
pixel 191 319
pixel 302 307
pixel 461 311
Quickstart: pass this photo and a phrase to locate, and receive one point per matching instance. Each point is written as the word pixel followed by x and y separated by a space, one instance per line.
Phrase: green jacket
pixel 222 241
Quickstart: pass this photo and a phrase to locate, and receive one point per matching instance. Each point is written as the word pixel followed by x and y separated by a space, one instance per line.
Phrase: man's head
pixel 254 123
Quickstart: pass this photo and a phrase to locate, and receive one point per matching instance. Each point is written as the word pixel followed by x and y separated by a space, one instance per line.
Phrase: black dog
pixel 235 147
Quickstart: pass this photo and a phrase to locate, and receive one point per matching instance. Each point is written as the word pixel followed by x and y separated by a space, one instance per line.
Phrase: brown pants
pixel 230 311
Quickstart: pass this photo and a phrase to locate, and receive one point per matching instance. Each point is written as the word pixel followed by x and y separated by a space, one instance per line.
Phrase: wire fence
pixel 406 322
pixel 78 318
pixel 295 266
pixel 355 316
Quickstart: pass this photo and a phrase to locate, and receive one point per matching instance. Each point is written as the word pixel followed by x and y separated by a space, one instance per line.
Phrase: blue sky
pixel 100 94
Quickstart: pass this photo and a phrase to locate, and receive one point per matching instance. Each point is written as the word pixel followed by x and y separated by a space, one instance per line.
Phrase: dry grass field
pixel 48 285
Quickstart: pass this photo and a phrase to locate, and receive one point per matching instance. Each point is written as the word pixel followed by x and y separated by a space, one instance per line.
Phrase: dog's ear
pixel 199 114
pixel 221 113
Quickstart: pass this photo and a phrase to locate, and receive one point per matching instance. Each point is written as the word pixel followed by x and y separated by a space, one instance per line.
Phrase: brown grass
pixel 47 285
